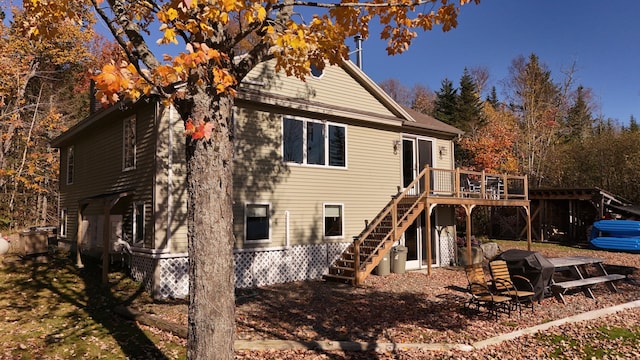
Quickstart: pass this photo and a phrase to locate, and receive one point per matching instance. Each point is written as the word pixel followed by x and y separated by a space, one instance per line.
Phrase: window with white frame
pixel 138 222
pixel 257 222
pixel 64 214
pixel 333 221
pixel 312 142
pixel 129 143
pixel 70 164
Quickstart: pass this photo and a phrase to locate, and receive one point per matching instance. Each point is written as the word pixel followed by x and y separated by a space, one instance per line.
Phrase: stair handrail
pixel 378 219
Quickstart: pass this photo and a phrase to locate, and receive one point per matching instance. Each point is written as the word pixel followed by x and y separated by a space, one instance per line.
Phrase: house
pixel 315 162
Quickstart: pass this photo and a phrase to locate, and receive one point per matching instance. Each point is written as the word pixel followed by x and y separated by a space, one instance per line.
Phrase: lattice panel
pixel 174 278
pixel 447 247
pixel 142 268
pixel 304 262
pixel 260 268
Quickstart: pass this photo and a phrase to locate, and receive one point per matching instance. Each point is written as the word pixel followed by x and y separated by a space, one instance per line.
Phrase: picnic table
pixel 582 278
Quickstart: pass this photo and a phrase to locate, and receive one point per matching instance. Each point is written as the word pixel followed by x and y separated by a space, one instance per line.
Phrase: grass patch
pixel 54 310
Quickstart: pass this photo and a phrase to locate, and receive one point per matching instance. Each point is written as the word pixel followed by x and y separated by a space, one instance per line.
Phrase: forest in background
pixel 545 127
pixel 540 126
pixel 44 90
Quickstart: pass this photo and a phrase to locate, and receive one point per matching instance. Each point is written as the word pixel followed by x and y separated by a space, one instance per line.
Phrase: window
pixel 63 223
pixel 316 72
pixel 138 223
pixel 70 164
pixel 129 143
pixel 314 143
pixel 333 221
pixel 257 223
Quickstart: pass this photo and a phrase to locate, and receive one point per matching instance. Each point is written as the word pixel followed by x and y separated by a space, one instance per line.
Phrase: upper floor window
pixel 70 164
pixel 129 143
pixel 314 143
pixel 316 72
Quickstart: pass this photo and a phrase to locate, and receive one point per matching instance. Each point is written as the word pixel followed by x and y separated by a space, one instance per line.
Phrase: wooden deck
pixel 430 188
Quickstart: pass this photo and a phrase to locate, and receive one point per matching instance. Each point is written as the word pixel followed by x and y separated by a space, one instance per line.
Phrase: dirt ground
pixel 404 308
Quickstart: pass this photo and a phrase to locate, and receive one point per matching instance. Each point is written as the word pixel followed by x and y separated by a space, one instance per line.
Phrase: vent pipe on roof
pixel 358 51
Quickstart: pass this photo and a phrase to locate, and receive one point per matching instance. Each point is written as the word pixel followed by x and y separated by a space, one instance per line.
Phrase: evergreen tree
pixel 445 104
pixel 579 119
pixel 468 105
pixel 492 99
pixel 633 125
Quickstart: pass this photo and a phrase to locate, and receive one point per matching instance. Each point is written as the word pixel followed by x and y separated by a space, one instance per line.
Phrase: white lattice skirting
pixel 256 268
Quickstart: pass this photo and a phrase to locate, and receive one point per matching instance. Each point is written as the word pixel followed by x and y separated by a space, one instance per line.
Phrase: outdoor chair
pixel 482 294
pixel 504 284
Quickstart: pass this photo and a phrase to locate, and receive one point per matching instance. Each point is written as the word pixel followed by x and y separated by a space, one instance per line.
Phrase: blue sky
pixel 601 37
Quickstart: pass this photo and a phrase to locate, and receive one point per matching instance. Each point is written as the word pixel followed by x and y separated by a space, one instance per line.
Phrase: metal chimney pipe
pixel 358 40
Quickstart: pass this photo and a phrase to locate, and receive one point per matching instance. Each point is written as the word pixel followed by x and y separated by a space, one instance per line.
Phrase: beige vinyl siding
pixel 446 161
pixel 336 88
pixel 170 207
pixel 98 169
pixel 363 187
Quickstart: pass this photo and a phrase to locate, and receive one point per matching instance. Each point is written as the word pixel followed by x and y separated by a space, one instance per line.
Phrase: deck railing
pixel 476 184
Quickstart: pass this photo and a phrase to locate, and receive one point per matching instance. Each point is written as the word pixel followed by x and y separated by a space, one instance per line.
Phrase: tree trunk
pixel 211 324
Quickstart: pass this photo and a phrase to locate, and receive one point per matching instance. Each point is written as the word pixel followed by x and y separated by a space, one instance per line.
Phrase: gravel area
pixel 418 308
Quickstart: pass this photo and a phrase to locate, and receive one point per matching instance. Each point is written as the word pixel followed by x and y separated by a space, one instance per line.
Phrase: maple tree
pixel 492 145
pixel 201 80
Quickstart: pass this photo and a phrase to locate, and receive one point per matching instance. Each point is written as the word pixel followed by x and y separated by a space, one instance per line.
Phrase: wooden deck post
pixel 79 230
pixel 528 210
pixel 427 210
pixel 106 243
pixel 457 183
pixel 468 210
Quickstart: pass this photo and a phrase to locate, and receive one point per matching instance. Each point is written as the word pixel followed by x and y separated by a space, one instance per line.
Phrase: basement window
pixel 257 222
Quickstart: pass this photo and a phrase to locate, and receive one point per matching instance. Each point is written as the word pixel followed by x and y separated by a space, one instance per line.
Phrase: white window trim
pixel 317 77
pixel 134 230
pixel 71 151
pixel 64 222
pixel 124 143
pixel 326 143
pixel 269 214
pixel 324 209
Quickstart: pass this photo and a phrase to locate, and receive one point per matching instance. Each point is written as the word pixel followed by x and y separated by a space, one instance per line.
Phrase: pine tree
pixel 633 125
pixel 493 98
pixel 445 104
pixel 579 119
pixel 468 105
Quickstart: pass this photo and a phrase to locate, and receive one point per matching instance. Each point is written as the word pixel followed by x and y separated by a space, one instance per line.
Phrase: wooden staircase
pixel 376 240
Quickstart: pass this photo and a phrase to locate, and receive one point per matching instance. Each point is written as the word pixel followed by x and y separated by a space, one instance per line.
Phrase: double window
pixel 257 222
pixel 129 143
pixel 314 143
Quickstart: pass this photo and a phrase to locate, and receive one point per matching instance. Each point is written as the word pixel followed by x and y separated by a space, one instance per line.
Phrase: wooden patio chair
pixel 504 284
pixel 482 294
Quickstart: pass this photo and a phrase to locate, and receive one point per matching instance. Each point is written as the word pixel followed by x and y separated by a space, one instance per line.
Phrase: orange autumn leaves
pixel 118 78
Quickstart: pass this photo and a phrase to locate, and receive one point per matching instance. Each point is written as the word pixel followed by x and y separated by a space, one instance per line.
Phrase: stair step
pixel 346 268
pixel 331 277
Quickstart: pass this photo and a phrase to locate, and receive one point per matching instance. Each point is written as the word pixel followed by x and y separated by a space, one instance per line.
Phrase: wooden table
pixel 578 265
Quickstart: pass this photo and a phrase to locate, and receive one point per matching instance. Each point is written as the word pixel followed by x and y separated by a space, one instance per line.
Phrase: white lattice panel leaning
pixel 142 268
pixel 174 278
pixel 303 262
